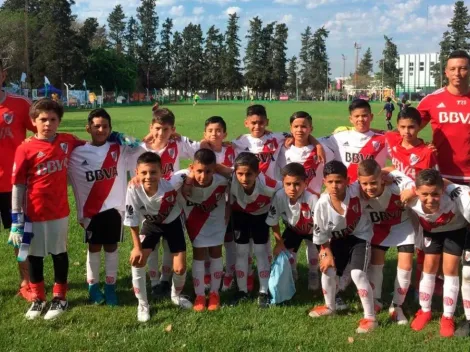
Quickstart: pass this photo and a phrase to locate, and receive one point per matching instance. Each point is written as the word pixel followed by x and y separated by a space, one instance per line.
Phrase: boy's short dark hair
pixel 149 158
pixel 459 54
pixel 256 109
pixel 247 159
pixel 100 112
pixel 163 116
pixel 410 113
pixel 301 115
pixel 335 167
pixel 359 104
pixel 205 157
pixel 216 119
pixel 44 105
pixel 294 170
pixel 429 177
pixel 389 99
pixel 368 167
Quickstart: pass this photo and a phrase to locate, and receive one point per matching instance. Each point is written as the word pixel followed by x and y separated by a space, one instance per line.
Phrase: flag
pixel 46 80
pixel 23 77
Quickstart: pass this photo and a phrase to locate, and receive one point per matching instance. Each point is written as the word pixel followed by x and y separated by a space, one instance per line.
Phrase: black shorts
pixel 388 115
pixel 293 240
pixel 350 250
pixel 5 209
pixel 450 242
pixel 105 228
pixel 406 248
pixel 173 233
pixel 247 226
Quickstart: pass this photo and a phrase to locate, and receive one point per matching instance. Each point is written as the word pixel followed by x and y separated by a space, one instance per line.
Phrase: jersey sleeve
pixel 178 178
pixel 273 214
pixel 281 159
pixel 321 234
pixel 401 180
pixel 423 108
pixel 461 196
pixel 332 144
pixel 20 167
pixel 131 217
pixel 188 147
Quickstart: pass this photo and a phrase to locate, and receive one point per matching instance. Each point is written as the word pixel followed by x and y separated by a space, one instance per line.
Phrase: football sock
pixel 61 267
pixel 312 256
pixel 364 290
pixel 216 270
pixel 426 289
pixel 466 290
pixel 250 258
pixel 230 257
pixel 376 277
pixel 167 262
pixel 38 290
pixel 178 283
pixel 111 266
pixel 402 283
pixel 242 266
pixel 207 264
pixel 36 269
pixel 93 261
pixel 139 284
pixel 198 277
pixel 262 263
pixel 328 283
pixel 152 264
pixel 269 251
pixel 59 290
pixel 345 279
pixel 451 293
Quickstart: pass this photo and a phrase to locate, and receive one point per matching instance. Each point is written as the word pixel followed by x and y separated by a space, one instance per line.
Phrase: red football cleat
pixel 447 327
pixel 421 320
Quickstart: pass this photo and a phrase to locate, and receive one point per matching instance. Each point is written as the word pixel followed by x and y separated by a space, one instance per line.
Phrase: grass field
pixel 87 327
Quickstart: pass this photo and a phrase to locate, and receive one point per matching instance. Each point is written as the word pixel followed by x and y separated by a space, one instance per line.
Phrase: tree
pixel 19 5
pixel 292 76
pixel 279 60
pixel 117 27
pixel 213 51
pixel 388 64
pixel 179 63
pixel 130 38
pixel 100 39
pixel 194 56
pixel 457 38
pixel 254 63
pixel 305 56
pixel 366 65
pixel 165 53
pixel 232 77
pixel 146 50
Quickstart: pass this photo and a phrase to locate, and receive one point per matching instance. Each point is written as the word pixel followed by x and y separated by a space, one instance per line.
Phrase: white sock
pixel 269 251
pixel 312 256
pixel 216 270
pixel 402 283
pixel 178 283
pixel 450 293
pixel 328 283
pixel 230 257
pixel 139 283
pixel 345 279
pixel 167 263
pixel 198 277
pixel 93 262
pixel 426 290
pixel 376 277
pixel 250 258
pixel 466 290
pixel 262 262
pixel 111 261
pixel 364 290
pixel 242 266
pixel 152 264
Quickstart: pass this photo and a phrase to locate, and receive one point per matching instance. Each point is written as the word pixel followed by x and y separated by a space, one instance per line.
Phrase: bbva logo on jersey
pixel 8 117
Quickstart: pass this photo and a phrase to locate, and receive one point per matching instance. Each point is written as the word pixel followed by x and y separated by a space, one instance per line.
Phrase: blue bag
pixel 281 282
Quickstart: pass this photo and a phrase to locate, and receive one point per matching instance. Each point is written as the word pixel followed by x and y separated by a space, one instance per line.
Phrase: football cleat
pixel 463 329
pixel 214 301
pixel 35 310
pixel 340 303
pixel 110 295
pixel 421 320
pixel 143 312
pixel 57 308
pixel 199 303
pixel 94 294
pixel 447 327
pixel 182 302
pixel 397 315
pixel 366 325
pixel 263 300
pixel 320 311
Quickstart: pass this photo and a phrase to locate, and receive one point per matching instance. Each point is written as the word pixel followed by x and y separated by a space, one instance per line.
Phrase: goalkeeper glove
pixel 17 230
pixel 123 139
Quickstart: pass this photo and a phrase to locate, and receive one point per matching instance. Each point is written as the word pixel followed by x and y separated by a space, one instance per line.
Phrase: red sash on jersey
pixel 393 212
pixel 167 204
pixel 258 203
pixel 372 148
pixel 100 189
pixel 442 220
pixel 229 156
pixel 305 224
pixel 168 158
pixel 266 156
pixel 353 214
pixel 199 214
pixel 311 165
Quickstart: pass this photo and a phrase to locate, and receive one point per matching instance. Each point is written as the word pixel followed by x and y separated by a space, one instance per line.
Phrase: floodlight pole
pixel 102 96
pixel 67 92
pixel 297 88
pixel 382 91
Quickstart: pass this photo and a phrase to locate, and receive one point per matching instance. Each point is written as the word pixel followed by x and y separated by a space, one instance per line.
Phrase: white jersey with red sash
pixel 351 147
pixel 226 156
pixel 298 217
pixel 98 175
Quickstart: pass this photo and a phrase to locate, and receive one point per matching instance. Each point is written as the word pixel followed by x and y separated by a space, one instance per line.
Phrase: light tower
pixel 357 47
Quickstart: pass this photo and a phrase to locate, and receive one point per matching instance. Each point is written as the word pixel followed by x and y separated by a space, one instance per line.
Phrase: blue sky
pixel 415 25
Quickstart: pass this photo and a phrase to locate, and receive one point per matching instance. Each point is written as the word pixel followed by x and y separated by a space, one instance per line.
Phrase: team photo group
pixel 242 204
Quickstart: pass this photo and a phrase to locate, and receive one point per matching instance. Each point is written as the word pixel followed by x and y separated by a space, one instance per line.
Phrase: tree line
pixel 44 38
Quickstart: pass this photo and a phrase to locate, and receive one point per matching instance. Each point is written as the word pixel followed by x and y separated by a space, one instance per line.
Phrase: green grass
pixel 90 328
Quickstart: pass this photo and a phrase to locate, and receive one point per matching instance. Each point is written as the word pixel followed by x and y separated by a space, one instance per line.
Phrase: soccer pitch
pixel 86 327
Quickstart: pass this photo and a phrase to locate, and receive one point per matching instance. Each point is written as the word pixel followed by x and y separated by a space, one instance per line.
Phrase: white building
pixel 415 72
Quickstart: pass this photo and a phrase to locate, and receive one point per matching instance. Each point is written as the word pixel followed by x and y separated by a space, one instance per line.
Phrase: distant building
pixel 415 73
